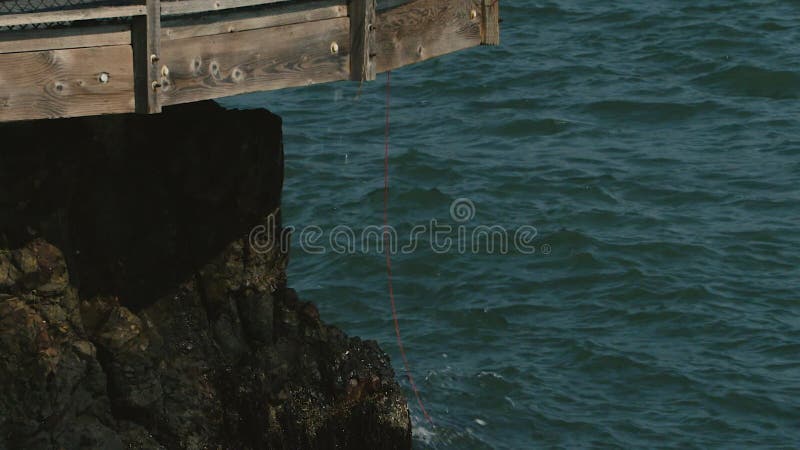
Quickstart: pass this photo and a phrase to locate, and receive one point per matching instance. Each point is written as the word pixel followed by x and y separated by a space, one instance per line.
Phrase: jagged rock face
pixel 134 312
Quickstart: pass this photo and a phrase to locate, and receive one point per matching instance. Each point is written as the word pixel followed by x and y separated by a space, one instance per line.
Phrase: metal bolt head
pixel 103 78
pixel 156 85
pixel 164 71
pixel 154 58
pixel 334 48
pixel 473 14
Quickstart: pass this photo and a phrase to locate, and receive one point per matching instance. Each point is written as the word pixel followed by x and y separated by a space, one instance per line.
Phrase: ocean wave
pixel 752 81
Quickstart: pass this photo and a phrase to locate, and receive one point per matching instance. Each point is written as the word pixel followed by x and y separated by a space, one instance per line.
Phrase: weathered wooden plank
pixel 66 83
pixel 61 38
pixel 101 12
pixel 175 7
pixel 424 29
pixel 272 16
pixel 490 23
pixel 220 65
pixel 362 39
pixel 146 37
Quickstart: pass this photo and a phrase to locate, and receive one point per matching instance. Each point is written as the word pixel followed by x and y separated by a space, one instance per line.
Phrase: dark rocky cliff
pixel 135 314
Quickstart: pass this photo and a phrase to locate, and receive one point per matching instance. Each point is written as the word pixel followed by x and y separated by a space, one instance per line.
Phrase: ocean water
pixel 655 148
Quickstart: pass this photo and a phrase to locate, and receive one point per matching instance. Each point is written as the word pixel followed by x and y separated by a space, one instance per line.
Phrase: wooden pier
pixel 116 57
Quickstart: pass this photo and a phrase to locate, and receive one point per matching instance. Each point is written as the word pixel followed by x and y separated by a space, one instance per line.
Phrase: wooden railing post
pixel 362 39
pixel 490 24
pixel 146 40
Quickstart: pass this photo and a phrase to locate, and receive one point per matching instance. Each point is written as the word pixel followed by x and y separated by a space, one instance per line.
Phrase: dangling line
pixel 387 250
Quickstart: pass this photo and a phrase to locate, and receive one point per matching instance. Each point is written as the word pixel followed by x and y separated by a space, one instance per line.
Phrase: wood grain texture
pixel 59 38
pixel 424 29
pixel 271 16
pixel 146 40
pixel 362 39
pixel 206 67
pixel 490 22
pixel 101 12
pixel 65 83
pixel 175 7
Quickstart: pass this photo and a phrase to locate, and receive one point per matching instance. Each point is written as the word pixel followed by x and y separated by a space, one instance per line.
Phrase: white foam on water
pixel 423 434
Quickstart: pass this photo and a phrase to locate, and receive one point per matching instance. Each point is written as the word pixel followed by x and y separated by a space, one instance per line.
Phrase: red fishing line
pixel 387 250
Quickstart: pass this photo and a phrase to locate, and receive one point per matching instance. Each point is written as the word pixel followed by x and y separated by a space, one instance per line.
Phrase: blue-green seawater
pixel 655 146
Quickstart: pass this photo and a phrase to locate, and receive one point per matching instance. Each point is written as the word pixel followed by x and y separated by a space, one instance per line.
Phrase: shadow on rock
pixel 135 314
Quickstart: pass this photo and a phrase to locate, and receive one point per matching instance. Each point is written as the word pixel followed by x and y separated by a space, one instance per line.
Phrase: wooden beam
pixel 233 21
pixel 93 69
pixel 423 29
pixel 490 22
pixel 61 38
pixel 146 38
pixel 169 8
pixel 362 39
pixel 71 15
pixel 220 65
pixel 66 83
